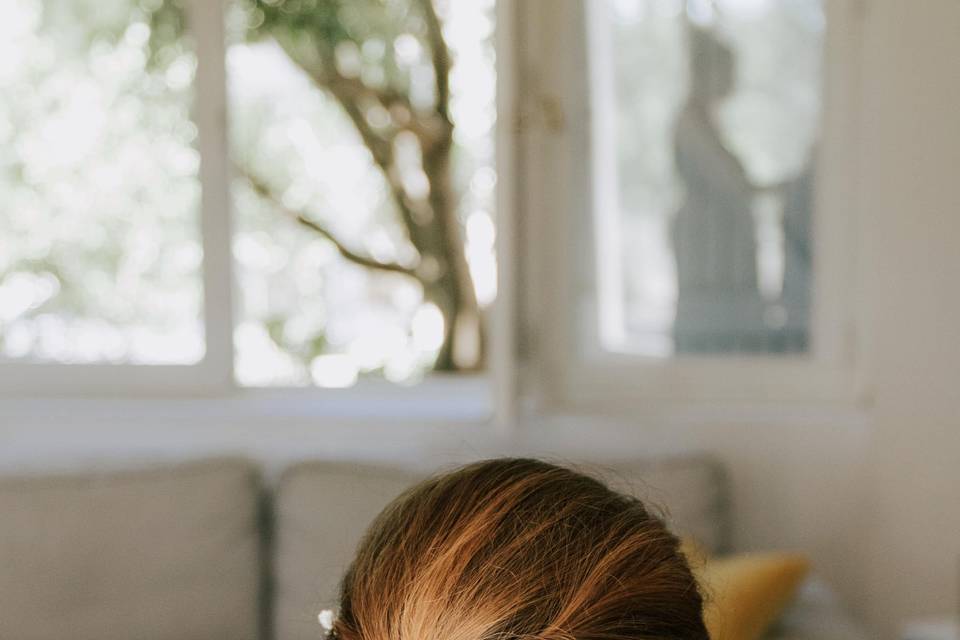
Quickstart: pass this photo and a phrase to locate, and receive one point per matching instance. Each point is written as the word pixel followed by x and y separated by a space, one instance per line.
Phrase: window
pixel 348 194
pixel 283 193
pixel 695 168
pixel 100 253
pixel 708 125
pixel 364 235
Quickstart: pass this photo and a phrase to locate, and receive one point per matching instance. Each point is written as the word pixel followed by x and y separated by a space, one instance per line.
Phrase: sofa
pixel 210 550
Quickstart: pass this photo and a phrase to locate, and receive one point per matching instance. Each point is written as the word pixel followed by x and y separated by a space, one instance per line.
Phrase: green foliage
pixel 362 38
pixel 168 25
pixel 102 194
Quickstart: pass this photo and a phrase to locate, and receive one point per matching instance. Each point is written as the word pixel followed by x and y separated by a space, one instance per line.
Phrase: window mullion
pixel 503 360
pixel 210 112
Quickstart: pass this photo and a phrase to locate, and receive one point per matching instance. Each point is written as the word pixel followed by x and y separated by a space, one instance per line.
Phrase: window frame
pixel 565 368
pixel 538 358
pixel 211 380
pixel 208 388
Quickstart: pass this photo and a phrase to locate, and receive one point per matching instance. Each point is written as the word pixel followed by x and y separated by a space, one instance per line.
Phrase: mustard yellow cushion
pixel 745 593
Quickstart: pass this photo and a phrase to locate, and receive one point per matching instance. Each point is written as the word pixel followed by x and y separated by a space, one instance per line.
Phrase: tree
pixel 324 38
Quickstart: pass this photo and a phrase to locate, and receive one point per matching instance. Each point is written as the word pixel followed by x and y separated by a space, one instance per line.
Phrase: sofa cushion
pixel 161 554
pixel 323 509
pixel 689 492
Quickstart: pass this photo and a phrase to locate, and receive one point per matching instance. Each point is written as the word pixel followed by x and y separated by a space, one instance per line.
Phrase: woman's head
pixel 517 549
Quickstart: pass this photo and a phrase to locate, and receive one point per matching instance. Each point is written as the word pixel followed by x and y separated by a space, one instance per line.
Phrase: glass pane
pixel 364 188
pixel 716 107
pixel 100 254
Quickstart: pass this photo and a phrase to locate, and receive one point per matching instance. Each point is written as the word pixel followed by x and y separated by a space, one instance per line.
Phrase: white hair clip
pixel 325 618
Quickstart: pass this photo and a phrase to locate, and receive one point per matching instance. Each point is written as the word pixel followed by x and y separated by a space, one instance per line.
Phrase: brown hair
pixel 517 549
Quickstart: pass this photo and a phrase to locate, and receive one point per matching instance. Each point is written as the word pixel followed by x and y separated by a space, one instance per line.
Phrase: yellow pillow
pixel 745 593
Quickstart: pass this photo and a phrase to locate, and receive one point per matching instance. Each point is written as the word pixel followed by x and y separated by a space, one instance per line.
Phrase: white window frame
pixel 545 253
pixel 460 397
pixel 565 368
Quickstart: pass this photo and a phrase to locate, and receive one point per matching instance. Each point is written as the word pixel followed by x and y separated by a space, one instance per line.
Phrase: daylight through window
pixel 361 149
pixel 707 166
pixel 100 256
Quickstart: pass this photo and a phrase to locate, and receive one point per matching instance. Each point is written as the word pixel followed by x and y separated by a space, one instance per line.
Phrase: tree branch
pixel 346 92
pixel 384 159
pixel 354 91
pixel 265 192
pixel 381 149
pixel 441 58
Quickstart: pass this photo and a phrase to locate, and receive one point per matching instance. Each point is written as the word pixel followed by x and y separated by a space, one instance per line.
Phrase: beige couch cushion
pixel 690 493
pixel 164 554
pixel 323 509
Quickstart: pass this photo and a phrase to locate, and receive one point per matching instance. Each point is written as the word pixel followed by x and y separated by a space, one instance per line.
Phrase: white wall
pixel 911 233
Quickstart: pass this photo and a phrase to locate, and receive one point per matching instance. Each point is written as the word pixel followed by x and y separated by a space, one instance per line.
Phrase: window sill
pixel 460 399
pixel 371 422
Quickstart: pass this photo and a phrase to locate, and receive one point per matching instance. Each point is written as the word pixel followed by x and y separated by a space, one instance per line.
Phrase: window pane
pixel 715 106
pixel 99 237
pixel 363 194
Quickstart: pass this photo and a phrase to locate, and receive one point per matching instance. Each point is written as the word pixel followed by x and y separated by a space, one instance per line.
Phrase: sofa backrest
pixel 322 510
pixel 165 554
pixel 175 553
